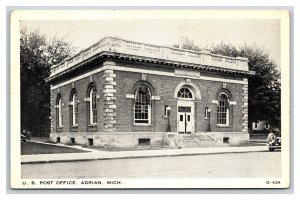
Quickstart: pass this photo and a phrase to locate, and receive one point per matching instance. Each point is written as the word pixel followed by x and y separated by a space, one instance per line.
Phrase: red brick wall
pixel 164 86
pixel 81 87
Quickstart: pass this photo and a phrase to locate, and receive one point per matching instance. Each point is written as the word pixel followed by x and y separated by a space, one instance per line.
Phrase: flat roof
pixel 122 49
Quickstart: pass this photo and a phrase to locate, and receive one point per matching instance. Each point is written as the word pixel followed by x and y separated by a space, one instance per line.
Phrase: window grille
pixel 185 93
pixel 75 110
pixel 142 107
pixel 93 106
pixel 60 113
pixel 223 110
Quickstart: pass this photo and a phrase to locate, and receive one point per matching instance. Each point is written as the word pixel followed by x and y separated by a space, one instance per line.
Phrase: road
pixel 231 165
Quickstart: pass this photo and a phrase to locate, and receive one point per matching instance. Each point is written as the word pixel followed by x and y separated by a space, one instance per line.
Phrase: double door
pixel 185 117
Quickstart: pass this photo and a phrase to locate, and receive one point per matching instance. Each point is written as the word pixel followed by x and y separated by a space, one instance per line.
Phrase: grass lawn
pixel 30 148
pixel 262 137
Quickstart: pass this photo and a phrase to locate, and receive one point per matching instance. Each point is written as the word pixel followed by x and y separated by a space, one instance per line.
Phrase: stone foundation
pixel 131 139
pixel 235 138
pixel 109 139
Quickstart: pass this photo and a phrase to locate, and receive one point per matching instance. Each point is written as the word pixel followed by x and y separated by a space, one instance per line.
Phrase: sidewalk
pixel 105 155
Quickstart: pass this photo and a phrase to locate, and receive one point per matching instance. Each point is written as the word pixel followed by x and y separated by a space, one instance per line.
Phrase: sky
pixel 265 33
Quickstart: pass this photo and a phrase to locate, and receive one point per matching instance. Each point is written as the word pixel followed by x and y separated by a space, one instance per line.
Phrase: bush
pixel 259 132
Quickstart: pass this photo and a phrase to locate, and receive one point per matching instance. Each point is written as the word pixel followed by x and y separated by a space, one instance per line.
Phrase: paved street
pixel 229 165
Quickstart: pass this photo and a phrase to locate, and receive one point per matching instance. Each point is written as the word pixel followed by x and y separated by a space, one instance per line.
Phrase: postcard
pixel 131 99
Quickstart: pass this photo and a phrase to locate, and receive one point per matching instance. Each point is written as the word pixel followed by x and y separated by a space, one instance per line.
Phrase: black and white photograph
pixel 150 99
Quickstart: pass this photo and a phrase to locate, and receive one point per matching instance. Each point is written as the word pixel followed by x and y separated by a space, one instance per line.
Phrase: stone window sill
pixel 74 128
pixel 139 125
pixel 92 128
pixel 223 126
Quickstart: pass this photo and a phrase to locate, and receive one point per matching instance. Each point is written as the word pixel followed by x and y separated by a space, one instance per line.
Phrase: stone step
pixel 198 139
pixel 196 136
pixel 200 145
pixel 199 142
pixel 205 141
pixel 189 141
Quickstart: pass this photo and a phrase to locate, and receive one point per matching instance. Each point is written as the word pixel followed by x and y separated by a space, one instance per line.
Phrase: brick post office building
pixel 124 93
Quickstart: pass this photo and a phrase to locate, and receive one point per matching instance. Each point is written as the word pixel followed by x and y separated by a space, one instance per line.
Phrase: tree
pixel 264 100
pixel 264 87
pixel 37 55
pixel 186 43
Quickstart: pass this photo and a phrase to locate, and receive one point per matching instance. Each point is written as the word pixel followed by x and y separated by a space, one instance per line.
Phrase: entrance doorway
pixel 185 117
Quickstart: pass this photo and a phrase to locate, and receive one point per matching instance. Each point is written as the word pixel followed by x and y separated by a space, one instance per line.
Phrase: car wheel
pixel 271 149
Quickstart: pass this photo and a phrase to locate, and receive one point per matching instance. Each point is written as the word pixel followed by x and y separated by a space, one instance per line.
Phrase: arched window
pixel 93 105
pixel 223 110
pixel 142 107
pixel 59 111
pixel 74 106
pixel 185 92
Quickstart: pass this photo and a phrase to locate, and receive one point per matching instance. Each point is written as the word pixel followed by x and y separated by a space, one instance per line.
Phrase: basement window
pixel 225 139
pixel 91 142
pixel 58 139
pixel 72 140
pixel 144 141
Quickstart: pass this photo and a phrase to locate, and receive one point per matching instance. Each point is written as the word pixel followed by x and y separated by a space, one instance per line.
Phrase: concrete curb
pixel 130 157
pixel 103 155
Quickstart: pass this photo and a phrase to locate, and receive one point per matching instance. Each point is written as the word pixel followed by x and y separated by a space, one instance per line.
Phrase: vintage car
pixel 275 144
pixel 25 136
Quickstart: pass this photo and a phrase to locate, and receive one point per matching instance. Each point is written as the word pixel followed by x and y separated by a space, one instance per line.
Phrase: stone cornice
pixel 139 52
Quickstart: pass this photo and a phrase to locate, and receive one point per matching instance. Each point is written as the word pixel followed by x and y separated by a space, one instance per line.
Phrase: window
pixel 143 141
pixel 93 105
pixel 142 107
pixel 267 126
pixel 91 141
pixel 185 93
pixel 72 140
pixel 223 110
pixel 59 112
pixel 225 139
pixel 74 105
pixel 255 123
